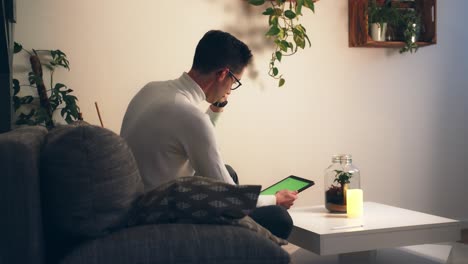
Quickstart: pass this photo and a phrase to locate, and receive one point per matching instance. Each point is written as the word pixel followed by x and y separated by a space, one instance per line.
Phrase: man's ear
pixel 222 74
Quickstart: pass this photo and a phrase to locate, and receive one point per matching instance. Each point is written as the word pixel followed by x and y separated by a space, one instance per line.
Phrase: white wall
pixel 403 117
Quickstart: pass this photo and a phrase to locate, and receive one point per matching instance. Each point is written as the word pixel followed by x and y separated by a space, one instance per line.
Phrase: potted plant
pixel 380 15
pixel 285 30
pixel 410 26
pixel 335 196
pixel 36 104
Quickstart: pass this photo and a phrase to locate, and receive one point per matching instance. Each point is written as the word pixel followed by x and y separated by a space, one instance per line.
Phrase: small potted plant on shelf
pixel 410 27
pixel 380 14
pixel 335 196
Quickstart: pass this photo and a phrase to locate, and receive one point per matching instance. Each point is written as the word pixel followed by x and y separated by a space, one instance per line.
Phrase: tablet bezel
pixel 310 183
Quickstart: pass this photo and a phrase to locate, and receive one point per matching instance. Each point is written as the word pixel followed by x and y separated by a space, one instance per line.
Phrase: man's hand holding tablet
pixel 287 189
pixel 286 198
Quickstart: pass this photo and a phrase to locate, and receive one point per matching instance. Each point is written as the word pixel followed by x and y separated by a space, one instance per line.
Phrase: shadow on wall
pixel 448 164
pixel 247 23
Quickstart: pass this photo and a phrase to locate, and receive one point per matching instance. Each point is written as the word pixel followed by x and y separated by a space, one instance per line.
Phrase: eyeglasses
pixel 237 84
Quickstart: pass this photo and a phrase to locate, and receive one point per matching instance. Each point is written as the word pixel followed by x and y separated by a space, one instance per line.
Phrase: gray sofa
pixel 61 202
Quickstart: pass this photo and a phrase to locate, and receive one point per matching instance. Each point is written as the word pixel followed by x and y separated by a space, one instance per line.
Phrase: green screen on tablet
pixel 292 183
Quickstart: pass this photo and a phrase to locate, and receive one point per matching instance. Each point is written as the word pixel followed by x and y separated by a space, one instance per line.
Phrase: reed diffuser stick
pixel 99 114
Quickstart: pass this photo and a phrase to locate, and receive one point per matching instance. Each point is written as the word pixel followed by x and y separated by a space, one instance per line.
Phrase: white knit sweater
pixel 170 137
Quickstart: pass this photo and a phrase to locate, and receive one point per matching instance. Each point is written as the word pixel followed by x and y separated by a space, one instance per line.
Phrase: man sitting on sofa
pixel 170 137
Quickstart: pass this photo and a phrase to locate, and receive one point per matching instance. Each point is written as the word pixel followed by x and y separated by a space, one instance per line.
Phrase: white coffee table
pixel 381 226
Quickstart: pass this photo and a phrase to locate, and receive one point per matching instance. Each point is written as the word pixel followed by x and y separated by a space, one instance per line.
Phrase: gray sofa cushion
pixel 180 243
pixel 249 223
pixel 195 199
pixel 20 203
pixel 89 182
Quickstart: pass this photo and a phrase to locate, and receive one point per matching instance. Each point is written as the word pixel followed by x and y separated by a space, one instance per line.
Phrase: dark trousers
pixel 275 218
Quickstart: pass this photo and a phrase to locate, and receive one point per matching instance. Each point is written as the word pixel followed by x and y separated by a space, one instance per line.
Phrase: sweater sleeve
pixel 263 200
pixel 199 142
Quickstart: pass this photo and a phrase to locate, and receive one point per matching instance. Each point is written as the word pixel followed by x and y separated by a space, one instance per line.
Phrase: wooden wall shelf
pixel 359 30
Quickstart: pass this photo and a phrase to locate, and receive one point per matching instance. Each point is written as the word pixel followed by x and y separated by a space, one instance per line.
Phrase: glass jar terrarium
pixel 340 176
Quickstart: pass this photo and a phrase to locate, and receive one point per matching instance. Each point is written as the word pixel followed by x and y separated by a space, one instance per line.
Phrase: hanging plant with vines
pixel 285 30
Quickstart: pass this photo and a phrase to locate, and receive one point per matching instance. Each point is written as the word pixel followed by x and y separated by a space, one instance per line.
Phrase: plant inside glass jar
pixel 336 194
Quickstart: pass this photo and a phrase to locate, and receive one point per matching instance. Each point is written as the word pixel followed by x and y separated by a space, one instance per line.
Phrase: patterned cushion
pixel 195 200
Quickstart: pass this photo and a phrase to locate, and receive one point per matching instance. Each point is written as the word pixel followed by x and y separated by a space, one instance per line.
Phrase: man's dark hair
pixel 218 49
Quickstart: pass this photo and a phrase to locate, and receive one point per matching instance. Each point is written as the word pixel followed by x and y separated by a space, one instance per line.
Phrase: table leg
pixel 358 257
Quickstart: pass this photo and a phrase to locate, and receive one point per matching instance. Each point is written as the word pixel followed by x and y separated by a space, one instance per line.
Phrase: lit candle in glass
pixel 354 203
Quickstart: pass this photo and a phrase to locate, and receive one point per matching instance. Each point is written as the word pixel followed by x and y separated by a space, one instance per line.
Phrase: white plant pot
pixel 414 37
pixel 378 32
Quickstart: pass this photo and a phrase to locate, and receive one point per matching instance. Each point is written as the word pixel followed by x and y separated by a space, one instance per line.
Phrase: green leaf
pixel 64 63
pixel 299 4
pixel 309 4
pixel 17 48
pixel 16 86
pixel 28 116
pixel 53 105
pixel 64 93
pixel 68 119
pixel 74 111
pixel 70 100
pixel 273 21
pixel 275 71
pixel 61 53
pixel 300 28
pixel 296 31
pixel 256 2
pixel 282 33
pixel 289 14
pixel 32 78
pixel 282 46
pixel 41 116
pixel 16 103
pixel 273 31
pixel 59 85
pixel 281 82
pixel 268 12
pixel 26 99
pixel 308 40
pixel 279 55
pixel 299 39
pixel 27 119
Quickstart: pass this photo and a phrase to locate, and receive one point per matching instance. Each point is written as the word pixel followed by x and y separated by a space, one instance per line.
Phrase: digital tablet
pixel 292 183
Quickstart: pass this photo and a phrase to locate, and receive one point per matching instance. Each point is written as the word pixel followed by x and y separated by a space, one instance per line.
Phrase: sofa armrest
pixel 180 243
pixel 21 225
